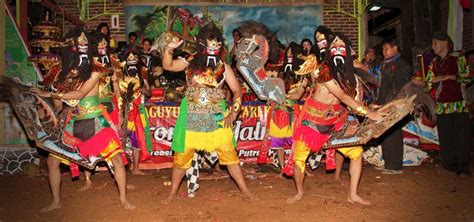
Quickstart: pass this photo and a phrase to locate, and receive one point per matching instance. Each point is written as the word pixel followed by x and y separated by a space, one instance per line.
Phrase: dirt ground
pixel 420 194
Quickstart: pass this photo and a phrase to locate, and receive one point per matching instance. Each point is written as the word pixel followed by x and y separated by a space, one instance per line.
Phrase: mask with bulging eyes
pixel 338 52
pixel 102 47
pixel 321 41
pixel 213 47
pixel 82 39
pixel 83 56
pixel 322 45
pixel 132 64
pixel 132 59
pixel 289 61
pixel 82 48
pixel 102 51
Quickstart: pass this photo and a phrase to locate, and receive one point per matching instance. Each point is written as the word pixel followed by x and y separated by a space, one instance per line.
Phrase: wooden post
pixel 422 31
pixel 422 26
pixel 363 29
pixel 2 67
pixel 23 19
pixel 408 32
pixel 472 21
pixel 435 15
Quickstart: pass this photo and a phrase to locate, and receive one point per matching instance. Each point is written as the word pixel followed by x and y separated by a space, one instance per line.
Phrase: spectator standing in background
pixel 395 72
pixel 446 80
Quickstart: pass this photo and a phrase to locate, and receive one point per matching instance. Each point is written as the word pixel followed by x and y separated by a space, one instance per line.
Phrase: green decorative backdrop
pixel 16 66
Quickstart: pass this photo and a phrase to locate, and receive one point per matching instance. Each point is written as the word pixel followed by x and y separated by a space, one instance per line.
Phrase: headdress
pixel 77 56
pixel 292 63
pixel 208 55
pixel 318 46
pixel 339 59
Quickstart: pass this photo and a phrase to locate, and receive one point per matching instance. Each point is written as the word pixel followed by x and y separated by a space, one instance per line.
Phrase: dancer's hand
pixel 230 119
pixel 40 92
pixel 145 91
pixel 272 103
pixel 418 81
pixel 175 43
pixel 374 106
pixel 180 89
pixel 443 78
pixel 357 64
pixel 120 123
pixel 376 115
pixel 114 77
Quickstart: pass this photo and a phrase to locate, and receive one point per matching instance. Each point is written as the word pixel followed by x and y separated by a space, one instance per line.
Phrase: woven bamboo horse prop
pixel 41 123
pixel 359 134
pixel 251 56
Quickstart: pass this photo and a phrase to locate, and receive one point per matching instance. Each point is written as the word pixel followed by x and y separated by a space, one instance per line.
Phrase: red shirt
pixel 450 89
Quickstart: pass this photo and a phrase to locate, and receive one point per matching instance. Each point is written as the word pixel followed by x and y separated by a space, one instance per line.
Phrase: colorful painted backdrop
pixel 291 23
pixel 16 66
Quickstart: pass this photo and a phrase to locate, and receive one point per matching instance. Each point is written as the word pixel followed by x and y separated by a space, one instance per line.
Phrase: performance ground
pixel 420 194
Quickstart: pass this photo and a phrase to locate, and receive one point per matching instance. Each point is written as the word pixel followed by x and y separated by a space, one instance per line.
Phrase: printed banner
pixel 249 132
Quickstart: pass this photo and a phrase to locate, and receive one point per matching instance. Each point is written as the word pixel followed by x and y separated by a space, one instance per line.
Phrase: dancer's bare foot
pixel 127 205
pixel 294 199
pixel 340 181
pixel 52 206
pixel 138 172
pixel 217 168
pixel 357 199
pixel 169 199
pixel 130 186
pixel 281 176
pixel 86 186
pixel 250 197
pixel 309 174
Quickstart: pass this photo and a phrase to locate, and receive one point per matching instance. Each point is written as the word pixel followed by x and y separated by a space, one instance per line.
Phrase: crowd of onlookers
pixel 446 77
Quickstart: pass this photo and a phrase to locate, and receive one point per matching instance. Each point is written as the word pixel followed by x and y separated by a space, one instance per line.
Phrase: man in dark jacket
pixel 395 73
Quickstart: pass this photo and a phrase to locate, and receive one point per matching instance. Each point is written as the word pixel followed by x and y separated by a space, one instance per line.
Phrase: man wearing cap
pixel 446 79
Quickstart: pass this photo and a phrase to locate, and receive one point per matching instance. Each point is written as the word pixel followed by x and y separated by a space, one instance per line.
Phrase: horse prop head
pixel 251 56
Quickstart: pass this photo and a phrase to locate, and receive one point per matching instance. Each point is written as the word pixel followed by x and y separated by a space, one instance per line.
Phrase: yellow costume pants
pixel 302 152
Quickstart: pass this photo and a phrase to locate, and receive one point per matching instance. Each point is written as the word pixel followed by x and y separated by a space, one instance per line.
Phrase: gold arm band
pixel 236 105
pixel 57 95
pixel 362 110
